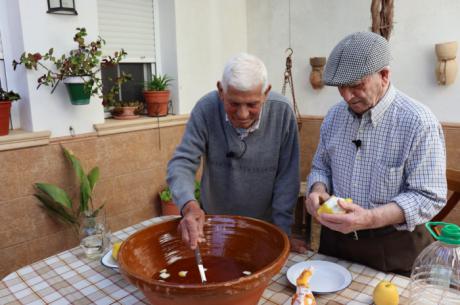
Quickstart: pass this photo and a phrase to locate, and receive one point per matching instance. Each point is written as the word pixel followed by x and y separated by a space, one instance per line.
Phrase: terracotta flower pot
pixel 157 102
pixel 5 108
pixel 126 113
pixel 169 208
pixel 257 243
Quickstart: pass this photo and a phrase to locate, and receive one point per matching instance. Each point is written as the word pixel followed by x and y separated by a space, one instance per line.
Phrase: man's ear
pixel 267 91
pixel 385 74
pixel 220 90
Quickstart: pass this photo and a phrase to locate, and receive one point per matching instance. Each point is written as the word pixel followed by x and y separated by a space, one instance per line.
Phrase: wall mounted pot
pixel 79 93
pixel 446 67
pixel 5 109
pixel 157 102
pixel 316 74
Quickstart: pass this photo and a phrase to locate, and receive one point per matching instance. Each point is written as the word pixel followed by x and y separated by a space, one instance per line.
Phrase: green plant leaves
pixel 93 177
pixel 55 193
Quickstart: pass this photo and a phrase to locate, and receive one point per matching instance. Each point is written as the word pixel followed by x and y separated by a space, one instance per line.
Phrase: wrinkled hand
pixel 298 245
pixel 315 198
pixel 355 218
pixel 191 225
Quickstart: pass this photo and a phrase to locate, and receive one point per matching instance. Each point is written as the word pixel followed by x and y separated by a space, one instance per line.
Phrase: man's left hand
pixel 298 245
pixel 355 218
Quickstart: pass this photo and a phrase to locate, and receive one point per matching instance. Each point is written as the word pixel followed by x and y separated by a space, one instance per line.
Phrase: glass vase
pixel 93 235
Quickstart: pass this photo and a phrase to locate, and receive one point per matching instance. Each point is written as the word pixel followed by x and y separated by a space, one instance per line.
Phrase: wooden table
pixel 70 278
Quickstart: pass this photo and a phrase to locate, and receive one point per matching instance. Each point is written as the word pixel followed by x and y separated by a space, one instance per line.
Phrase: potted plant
pixel 79 69
pixel 156 95
pixel 6 98
pixel 121 110
pixel 168 207
pixel 82 217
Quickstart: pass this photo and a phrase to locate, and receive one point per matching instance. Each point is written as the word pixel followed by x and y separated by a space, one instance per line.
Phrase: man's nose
pixel 347 94
pixel 242 112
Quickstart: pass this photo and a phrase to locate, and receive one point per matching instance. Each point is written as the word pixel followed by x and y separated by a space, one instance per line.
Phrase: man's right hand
pixel 317 196
pixel 191 225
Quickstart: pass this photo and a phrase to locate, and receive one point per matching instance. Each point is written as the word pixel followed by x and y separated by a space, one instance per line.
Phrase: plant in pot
pixel 121 110
pixel 6 98
pixel 156 95
pixel 79 69
pixel 168 207
pixel 82 217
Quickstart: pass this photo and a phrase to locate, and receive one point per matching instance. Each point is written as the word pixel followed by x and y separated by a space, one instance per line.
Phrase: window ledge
pixel 112 126
pixel 19 138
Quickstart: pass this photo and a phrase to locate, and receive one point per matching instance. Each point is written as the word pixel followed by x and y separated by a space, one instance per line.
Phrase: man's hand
pixel 298 245
pixel 317 196
pixel 355 218
pixel 191 225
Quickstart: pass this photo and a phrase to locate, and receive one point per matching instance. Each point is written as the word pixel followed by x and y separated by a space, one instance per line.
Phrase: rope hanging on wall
pixel 382 17
pixel 288 81
pixel 288 76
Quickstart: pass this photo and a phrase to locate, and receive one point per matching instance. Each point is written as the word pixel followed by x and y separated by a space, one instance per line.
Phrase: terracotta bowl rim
pixel 241 280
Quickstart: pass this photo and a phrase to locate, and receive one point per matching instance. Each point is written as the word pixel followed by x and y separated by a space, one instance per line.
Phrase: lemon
pixel 385 293
pixel 331 206
pixel 115 249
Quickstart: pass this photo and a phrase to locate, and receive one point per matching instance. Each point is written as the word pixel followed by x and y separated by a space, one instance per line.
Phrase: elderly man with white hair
pixel 382 149
pixel 247 138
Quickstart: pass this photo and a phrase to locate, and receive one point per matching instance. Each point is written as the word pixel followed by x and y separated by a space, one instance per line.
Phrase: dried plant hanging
pixel 382 17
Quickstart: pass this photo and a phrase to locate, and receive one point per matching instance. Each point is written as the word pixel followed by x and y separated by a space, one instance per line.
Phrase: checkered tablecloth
pixel 70 278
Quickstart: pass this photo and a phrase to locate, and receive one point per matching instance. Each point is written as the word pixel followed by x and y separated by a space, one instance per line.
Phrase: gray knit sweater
pixel 261 180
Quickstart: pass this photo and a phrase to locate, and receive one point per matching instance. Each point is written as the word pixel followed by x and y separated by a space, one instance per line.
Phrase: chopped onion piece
pixel 183 273
pixel 247 272
pixel 164 275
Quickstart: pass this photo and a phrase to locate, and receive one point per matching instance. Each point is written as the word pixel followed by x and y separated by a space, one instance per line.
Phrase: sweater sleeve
pixel 287 182
pixel 186 159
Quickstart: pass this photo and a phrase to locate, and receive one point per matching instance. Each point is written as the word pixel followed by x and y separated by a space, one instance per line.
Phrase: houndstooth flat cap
pixel 355 56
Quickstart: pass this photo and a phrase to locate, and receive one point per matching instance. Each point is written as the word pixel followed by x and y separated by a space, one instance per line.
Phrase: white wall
pixel 316 27
pixel 29 28
pixel 208 33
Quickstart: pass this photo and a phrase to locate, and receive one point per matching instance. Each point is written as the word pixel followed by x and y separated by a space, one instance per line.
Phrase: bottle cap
pixel 450 233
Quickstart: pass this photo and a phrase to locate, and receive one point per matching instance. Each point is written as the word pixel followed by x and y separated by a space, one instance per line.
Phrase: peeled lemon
pixel 385 293
pixel 115 249
pixel 331 206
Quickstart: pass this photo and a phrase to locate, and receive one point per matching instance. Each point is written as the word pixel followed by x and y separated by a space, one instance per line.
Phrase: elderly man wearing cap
pixel 383 150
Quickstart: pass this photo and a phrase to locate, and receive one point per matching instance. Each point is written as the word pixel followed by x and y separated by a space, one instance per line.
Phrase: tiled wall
pixel 132 169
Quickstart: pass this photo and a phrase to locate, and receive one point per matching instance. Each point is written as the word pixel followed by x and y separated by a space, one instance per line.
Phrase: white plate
pixel 327 277
pixel 108 261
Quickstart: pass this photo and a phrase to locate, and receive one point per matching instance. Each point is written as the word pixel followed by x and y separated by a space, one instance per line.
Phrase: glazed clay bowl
pixel 150 250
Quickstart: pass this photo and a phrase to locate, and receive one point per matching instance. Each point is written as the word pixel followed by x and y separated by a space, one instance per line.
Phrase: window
pixel 128 25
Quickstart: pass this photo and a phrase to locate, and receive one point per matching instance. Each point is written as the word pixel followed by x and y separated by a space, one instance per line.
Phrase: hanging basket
pixel 79 93
pixel 5 107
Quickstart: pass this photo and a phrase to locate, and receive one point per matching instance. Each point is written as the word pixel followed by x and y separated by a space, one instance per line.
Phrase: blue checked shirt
pixel 401 158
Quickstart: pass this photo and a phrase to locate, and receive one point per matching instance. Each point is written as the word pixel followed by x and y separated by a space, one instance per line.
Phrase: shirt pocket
pixel 386 183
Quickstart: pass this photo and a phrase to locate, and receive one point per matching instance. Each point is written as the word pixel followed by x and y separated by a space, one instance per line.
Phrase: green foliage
pixel 59 204
pixel 85 60
pixel 158 83
pixel 111 97
pixel 8 95
pixel 165 194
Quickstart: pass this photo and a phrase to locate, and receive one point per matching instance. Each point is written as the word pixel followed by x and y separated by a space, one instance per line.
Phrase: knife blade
pixel 199 262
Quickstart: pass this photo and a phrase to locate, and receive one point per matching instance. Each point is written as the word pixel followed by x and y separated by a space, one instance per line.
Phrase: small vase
pixel 92 237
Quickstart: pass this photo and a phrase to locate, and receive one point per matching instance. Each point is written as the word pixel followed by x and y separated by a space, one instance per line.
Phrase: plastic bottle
pixel 435 277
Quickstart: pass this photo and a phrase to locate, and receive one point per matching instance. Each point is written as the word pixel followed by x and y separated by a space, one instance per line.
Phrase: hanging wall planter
pixel 78 89
pixel 5 108
pixel 6 98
